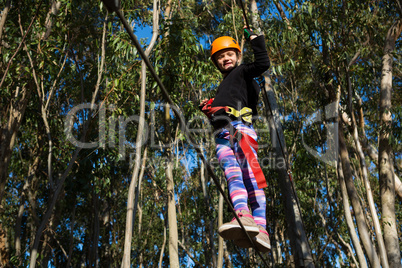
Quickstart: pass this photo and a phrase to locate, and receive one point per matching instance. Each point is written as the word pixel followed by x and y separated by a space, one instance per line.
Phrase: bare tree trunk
pixel 173 243
pixel 130 199
pixel 8 133
pixel 171 201
pixel 352 192
pixel 163 247
pixel 3 20
pixel 255 16
pixel 277 251
pixel 298 238
pixel 209 231
pixel 138 193
pixel 51 15
pixel 386 166
pixel 369 194
pixel 373 154
pixel 299 241
pixel 4 251
pixel 226 256
pixel 349 219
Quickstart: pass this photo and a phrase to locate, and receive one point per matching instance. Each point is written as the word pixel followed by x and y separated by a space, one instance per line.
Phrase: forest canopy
pixel 96 166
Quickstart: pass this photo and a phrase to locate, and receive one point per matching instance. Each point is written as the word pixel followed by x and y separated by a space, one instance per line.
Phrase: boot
pixel 261 241
pixel 233 231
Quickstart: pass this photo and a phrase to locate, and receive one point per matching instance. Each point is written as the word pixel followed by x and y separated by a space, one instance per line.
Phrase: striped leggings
pixel 240 179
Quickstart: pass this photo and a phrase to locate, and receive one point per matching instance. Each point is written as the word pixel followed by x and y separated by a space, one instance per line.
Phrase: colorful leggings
pixel 240 179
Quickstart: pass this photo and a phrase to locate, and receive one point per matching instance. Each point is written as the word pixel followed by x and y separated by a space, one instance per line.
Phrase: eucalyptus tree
pixel 68 204
pixel 334 49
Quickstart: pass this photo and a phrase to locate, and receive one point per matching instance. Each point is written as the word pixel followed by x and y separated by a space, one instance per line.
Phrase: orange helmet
pixel 223 42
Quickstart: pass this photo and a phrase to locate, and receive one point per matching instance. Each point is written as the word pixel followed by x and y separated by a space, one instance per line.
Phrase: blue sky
pixel 143 32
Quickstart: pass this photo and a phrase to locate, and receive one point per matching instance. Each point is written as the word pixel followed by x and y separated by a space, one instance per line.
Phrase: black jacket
pixel 238 89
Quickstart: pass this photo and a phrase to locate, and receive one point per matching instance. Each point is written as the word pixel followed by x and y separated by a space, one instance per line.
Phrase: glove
pixel 206 109
pixel 205 103
pixel 248 33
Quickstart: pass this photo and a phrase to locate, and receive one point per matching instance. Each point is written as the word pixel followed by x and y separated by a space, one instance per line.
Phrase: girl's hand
pixel 249 34
pixel 203 102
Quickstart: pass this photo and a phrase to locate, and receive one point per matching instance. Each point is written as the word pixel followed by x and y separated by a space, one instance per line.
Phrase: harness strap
pixel 245 113
pixel 246 143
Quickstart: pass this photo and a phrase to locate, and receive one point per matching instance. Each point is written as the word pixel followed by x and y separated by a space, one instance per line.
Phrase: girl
pixel 231 114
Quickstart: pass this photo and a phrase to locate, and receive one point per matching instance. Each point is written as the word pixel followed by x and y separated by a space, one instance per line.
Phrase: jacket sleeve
pixel 261 60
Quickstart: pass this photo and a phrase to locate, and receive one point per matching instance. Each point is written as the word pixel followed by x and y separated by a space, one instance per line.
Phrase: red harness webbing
pixel 246 142
pixel 208 110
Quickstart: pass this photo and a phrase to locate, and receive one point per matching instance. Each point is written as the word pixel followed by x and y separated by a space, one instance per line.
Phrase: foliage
pixel 312 57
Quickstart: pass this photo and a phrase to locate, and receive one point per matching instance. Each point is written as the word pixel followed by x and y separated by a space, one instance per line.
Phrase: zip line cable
pixel 114 5
pixel 244 14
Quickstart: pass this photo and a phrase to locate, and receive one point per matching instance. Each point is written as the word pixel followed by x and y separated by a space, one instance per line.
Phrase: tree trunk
pixel 173 243
pixel 298 238
pixel 357 208
pixel 349 219
pixel 4 251
pixel 386 166
pixel 131 192
pixel 369 194
pixel 3 20
pixel 162 247
pixel 299 241
pixel 209 230
pixel 255 16
pixel 51 15
pixel 171 201
pixel 373 154
pixel 8 133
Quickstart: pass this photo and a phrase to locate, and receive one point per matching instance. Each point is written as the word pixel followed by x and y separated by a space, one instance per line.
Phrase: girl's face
pixel 226 59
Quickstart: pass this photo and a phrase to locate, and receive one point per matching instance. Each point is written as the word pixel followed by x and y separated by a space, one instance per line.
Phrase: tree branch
pixel 4 17
pixel 20 45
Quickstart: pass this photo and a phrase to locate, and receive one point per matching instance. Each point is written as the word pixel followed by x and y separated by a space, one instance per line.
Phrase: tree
pixel 386 169
pixel 72 80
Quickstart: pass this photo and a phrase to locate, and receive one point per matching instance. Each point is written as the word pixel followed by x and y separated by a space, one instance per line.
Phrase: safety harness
pixel 246 142
pixel 245 113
